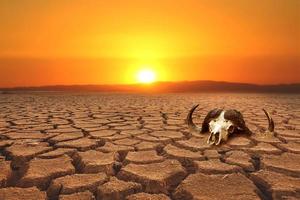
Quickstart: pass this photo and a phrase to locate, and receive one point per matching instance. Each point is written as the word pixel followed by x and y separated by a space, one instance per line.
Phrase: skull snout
pixel 215 138
pixel 219 133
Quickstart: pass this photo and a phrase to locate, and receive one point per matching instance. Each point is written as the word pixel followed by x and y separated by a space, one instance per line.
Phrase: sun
pixel 146 76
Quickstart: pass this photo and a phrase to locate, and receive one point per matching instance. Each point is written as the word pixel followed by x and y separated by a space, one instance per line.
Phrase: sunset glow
pixel 146 76
pixel 108 42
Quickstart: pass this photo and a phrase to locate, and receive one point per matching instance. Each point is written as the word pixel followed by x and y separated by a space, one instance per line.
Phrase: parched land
pixel 134 147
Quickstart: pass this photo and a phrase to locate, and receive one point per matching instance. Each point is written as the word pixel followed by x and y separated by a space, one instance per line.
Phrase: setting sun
pixel 146 76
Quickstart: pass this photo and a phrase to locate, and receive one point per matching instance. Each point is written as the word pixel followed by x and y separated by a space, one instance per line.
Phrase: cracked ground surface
pixel 128 146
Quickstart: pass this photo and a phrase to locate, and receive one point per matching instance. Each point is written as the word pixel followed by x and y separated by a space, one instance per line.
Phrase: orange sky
pixel 107 42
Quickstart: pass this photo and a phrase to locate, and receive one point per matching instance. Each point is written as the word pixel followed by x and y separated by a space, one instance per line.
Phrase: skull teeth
pixel 214 138
pixel 219 139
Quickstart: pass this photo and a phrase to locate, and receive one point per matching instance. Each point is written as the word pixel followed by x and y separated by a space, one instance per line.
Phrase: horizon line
pixel 145 84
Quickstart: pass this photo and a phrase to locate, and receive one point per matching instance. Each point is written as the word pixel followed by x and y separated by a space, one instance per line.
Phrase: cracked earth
pixel 134 147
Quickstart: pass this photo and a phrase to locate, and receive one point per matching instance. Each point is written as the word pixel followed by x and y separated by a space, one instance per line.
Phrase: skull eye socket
pixel 231 129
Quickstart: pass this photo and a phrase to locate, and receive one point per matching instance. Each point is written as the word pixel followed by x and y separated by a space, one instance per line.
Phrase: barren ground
pixel 127 146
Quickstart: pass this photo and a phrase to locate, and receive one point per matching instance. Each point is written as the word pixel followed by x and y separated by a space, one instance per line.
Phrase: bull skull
pixel 222 123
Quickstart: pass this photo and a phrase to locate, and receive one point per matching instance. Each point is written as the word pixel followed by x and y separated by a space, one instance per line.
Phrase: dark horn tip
pixel 192 111
pixel 271 122
pixel 195 106
pixel 189 119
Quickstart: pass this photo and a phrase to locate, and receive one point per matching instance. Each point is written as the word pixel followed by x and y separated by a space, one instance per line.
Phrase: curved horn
pixel 271 122
pixel 189 120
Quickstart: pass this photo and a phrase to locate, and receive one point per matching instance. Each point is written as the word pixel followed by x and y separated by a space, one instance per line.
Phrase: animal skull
pixel 222 123
pixel 219 129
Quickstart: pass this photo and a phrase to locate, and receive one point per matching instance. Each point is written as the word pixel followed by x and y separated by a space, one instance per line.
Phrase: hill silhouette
pixel 168 87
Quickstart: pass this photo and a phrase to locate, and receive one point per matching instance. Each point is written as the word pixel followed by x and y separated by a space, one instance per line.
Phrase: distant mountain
pixel 168 87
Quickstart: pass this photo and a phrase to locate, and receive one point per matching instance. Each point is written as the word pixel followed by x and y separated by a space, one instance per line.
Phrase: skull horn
pixel 270 120
pixel 190 122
